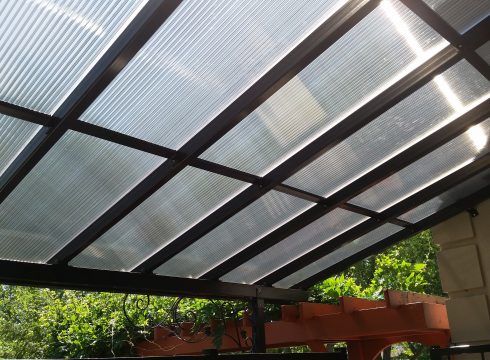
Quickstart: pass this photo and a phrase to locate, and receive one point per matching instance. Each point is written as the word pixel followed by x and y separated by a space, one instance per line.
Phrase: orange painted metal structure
pixel 367 327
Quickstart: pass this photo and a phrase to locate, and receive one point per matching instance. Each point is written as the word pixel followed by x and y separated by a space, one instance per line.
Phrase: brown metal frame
pixel 127 45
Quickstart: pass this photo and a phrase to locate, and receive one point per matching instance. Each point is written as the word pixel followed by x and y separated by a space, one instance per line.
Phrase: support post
pixel 258 325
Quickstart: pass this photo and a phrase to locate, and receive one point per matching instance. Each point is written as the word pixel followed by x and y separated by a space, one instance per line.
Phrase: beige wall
pixel 464 266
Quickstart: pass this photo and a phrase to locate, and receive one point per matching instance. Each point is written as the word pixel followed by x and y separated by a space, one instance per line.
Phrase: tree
pixel 21 331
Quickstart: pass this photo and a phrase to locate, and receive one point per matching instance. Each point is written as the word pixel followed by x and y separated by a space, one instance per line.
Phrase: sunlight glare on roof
pixel 79 19
pixel 412 42
pixel 478 137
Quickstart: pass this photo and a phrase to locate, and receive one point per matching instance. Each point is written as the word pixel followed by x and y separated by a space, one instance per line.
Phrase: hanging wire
pixel 177 323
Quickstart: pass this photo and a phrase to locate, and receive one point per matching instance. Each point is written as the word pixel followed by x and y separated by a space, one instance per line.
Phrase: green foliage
pixel 21 330
pixel 410 266
pixel 332 288
pixel 41 323
pixel 44 323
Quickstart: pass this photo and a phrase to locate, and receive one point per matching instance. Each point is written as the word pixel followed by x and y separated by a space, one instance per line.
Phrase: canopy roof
pixel 253 142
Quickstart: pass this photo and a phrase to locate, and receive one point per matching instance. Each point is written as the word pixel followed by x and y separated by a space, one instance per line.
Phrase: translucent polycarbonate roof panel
pixel 201 59
pixel 47 47
pixel 484 52
pixel 343 78
pixel 338 255
pixel 14 136
pixel 440 163
pixel 310 237
pixel 77 180
pixel 451 196
pixel 186 199
pixel 428 109
pixel 243 229
pixel 461 15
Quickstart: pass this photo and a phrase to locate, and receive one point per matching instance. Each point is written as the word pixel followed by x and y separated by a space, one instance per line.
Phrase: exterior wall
pixel 464 267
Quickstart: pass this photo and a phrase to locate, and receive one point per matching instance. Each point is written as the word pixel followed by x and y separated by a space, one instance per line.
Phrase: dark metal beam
pixel 394 211
pixel 477 35
pixel 158 150
pixel 414 80
pixel 22 113
pixel 258 325
pixel 66 277
pixel 151 148
pixel 398 162
pixel 427 223
pixel 461 42
pixel 122 139
pixel 305 195
pixel 142 27
pixel 302 55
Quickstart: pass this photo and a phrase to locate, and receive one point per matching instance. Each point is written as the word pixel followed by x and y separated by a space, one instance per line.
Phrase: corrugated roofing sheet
pixel 425 104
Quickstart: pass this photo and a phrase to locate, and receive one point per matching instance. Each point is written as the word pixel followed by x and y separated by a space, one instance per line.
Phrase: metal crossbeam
pixel 440 216
pixel 162 151
pixel 321 200
pixel 22 113
pixel 308 50
pixel 66 277
pixel 158 150
pixel 146 22
pixel 395 164
pixel 398 209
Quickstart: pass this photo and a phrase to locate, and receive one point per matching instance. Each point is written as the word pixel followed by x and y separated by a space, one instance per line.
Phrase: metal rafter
pixel 398 162
pixel 396 210
pixel 321 200
pixel 302 55
pixel 142 27
pixel 158 150
pixel 440 216
pixel 477 35
pixel 465 44
pixel 66 277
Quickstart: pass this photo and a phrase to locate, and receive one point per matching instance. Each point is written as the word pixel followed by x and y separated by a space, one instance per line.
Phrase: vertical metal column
pixel 258 325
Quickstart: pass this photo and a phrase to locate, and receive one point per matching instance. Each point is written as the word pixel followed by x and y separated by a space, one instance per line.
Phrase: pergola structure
pixel 233 149
pixel 366 326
